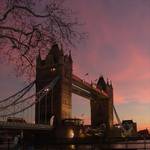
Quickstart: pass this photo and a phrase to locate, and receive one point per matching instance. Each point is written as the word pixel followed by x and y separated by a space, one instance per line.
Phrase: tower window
pixel 53 69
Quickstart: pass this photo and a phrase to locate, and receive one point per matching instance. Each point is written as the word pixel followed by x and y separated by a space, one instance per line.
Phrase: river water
pixel 131 145
pixel 136 145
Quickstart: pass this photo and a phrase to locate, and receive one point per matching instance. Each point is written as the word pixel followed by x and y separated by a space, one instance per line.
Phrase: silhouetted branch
pixel 9 11
pixel 27 28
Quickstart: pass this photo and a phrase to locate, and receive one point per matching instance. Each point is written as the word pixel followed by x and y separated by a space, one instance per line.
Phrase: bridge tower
pixel 102 108
pixel 57 103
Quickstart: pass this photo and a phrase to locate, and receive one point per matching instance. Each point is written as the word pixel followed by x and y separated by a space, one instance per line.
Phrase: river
pixel 132 145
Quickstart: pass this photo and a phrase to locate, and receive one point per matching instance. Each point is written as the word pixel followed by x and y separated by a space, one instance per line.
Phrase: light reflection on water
pixel 72 147
pixel 138 145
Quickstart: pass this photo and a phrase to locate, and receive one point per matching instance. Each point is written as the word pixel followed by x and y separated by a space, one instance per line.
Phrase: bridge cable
pixel 49 86
pixel 117 116
pixel 124 132
pixel 14 113
pixel 16 101
pixel 6 99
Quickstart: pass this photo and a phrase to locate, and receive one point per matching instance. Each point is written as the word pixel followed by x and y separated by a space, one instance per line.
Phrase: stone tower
pixel 57 102
pixel 102 108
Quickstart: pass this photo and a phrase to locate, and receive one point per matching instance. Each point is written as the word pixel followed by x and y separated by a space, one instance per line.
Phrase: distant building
pixel 143 133
pixel 130 127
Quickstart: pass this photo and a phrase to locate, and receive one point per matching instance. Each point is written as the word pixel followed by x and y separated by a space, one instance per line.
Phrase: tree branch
pixel 15 7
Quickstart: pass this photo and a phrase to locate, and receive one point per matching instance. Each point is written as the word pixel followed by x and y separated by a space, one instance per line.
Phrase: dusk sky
pixel 117 47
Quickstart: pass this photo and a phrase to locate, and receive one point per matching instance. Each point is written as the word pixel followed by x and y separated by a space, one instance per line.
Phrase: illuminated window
pixel 53 69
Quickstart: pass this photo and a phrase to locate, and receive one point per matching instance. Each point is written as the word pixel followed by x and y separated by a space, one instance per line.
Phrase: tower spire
pixel 38 60
pixel 70 56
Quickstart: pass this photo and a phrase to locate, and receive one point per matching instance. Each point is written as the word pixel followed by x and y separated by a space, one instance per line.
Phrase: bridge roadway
pixel 84 89
pixel 24 126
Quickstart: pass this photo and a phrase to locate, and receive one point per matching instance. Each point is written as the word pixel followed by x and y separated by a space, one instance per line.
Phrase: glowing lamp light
pixel 46 90
pixel 71 133
pixel 72 147
pixel 53 69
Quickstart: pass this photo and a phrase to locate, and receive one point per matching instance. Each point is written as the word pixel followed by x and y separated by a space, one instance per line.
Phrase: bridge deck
pixel 24 126
pixel 85 89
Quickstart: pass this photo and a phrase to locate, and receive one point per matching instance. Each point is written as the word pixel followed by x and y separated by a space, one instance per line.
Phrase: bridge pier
pixel 57 103
pixel 102 107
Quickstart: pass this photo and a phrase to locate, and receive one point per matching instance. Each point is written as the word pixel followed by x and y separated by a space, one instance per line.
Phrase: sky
pixel 117 47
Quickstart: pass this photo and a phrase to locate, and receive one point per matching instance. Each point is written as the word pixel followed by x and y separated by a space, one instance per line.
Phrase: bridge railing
pixel 88 85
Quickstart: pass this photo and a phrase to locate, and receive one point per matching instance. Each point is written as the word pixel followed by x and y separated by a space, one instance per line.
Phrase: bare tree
pixel 28 27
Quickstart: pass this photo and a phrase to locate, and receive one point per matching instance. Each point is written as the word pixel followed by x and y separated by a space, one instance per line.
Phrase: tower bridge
pixel 58 102
pixel 55 83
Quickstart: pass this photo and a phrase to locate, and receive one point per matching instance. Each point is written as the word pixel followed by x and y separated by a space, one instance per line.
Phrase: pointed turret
pixel 54 50
pixel 38 59
pixel 111 84
pixel 61 49
pixel 70 56
pixel 55 55
pixel 108 82
pixel 101 84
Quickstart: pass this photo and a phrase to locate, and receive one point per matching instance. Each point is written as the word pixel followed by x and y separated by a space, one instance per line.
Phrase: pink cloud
pixel 118 98
pixel 118 47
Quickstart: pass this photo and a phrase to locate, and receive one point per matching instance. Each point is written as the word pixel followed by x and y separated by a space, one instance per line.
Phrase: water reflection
pixel 139 144
pixel 74 147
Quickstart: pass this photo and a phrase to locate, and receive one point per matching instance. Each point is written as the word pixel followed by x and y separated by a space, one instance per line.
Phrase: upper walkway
pixel 83 88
